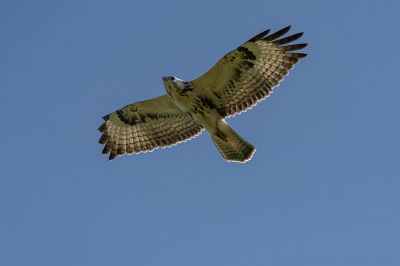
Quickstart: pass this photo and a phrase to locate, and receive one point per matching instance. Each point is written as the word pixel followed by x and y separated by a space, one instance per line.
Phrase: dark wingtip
pixel 300 55
pixel 285 29
pixel 303 45
pixel 112 156
pixel 106 117
pixel 259 36
pixel 102 128
pixel 294 47
pixel 289 39
pixel 277 34
pixel 106 149
pixel 103 139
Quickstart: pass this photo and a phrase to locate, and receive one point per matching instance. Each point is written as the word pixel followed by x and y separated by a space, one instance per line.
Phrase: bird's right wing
pixel 249 73
pixel 145 126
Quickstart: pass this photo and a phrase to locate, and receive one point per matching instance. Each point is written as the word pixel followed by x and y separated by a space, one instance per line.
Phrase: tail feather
pixel 232 146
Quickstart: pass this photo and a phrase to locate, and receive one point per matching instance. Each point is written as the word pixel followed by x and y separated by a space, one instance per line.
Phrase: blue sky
pixel 322 189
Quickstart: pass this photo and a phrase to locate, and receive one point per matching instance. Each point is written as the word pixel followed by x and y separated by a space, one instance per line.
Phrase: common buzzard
pixel 234 84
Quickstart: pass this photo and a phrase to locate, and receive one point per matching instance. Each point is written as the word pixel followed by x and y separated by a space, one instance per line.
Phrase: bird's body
pixel 190 101
pixel 236 83
pixel 203 110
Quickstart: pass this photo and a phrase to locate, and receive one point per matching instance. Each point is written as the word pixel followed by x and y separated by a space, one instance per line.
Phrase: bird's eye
pixel 172 78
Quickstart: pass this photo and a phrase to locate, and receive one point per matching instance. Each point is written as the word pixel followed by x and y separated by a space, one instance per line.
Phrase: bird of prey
pixel 234 84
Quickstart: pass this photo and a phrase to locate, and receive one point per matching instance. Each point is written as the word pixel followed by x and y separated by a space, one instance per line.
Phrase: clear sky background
pixel 322 189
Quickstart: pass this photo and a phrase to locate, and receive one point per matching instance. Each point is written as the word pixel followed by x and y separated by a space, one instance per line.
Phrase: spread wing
pixel 248 74
pixel 145 126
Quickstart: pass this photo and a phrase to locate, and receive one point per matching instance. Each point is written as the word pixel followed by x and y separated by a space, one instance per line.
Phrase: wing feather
pixel 145 126
pixel 248 74
pixel 277 34
pixel 289 39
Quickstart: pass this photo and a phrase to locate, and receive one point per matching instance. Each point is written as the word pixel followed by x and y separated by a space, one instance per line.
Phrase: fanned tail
pixel 232 146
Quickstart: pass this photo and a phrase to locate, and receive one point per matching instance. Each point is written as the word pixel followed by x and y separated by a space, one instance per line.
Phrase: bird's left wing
pixel 248 74
pixel 145 126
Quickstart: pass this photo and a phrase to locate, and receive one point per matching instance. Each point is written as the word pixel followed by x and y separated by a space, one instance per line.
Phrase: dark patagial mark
pixel 142 117
pixel 129 120
pixel 152 116
pixel 238 72
pixel 247 54
pixel 247 65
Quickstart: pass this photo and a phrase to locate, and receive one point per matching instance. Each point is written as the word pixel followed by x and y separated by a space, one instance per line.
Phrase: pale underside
pixel 234 84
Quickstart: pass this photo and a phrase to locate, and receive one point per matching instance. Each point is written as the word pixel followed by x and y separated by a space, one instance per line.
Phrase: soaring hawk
pixel 234 84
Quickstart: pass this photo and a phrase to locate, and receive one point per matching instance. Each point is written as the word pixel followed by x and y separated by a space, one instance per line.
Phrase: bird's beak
pixel 164 78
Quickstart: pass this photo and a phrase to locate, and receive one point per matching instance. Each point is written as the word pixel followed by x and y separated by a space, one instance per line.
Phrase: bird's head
pixel 173 85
